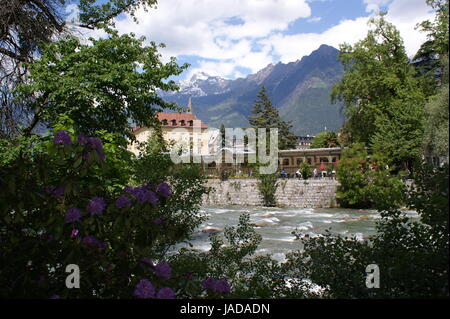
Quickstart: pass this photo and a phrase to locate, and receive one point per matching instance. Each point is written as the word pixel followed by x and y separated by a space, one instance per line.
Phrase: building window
pixel 299 161
pixel 285 161
pixel 164 122
pixel 182 123
pixel 174 122
pixel 191 123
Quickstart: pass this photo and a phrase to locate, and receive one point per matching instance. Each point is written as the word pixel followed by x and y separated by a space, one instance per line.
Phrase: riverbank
pixel 291 193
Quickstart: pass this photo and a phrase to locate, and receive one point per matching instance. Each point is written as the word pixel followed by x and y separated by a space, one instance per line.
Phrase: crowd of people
pixel 315 174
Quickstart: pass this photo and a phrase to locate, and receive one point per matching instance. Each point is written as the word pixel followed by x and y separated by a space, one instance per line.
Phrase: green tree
pixel 28 25
pixel 99 85
pixel 325 140
pixel 305 170
pixel 437 109
pixel 382 97
pixel 265 115
pixel 365 181
pixel 399 133
pixel 222 134
pixel 267 185
pixel 350 174
pixel 429 58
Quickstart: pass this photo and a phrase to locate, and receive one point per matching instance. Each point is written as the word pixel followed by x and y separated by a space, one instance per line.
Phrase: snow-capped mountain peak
pixel 201 84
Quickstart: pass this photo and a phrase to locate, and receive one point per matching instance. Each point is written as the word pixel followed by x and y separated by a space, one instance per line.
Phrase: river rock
pixel 264 222
pixel 209 229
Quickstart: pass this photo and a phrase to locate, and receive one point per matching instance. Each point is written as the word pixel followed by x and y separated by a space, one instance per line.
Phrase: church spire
pixel 190 111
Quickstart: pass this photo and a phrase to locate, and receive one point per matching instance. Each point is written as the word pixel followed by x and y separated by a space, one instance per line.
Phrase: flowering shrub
pixel 69 201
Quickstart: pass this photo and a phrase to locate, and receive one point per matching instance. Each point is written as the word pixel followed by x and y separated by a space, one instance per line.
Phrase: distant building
pixel 290 160
pixel 304 141
pixel 178 128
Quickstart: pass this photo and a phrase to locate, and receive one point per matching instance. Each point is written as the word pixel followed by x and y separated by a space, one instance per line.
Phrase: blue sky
pixel 234 38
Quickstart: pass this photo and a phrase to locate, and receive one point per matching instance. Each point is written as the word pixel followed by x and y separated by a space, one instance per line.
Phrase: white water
pixel 277 224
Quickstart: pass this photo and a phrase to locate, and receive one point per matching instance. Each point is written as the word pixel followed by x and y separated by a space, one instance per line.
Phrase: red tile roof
pixel 177 117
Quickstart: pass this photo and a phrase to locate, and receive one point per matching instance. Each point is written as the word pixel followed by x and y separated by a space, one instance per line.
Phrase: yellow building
pixel 181 128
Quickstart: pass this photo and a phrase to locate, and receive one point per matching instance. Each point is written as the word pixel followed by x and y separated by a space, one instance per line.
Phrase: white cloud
pixel 292 47
pixel 227 35
pixel 404 14
pixel 191 27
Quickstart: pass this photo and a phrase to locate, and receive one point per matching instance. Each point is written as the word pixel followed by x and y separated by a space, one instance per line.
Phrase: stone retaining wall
pixel 314 193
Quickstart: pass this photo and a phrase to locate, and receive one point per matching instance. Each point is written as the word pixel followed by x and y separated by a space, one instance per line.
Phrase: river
pixel 277 224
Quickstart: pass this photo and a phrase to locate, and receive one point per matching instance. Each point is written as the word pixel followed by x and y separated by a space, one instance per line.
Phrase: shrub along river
pixel 277 224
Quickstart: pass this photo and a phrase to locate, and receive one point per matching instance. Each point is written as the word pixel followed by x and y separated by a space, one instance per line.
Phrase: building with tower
pixel 182 127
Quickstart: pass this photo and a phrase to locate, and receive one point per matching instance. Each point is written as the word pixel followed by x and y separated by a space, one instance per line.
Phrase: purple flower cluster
pixel 96 206
pixel 82 139
pixel 62 137
pixel 143 194
pixel 96 145
pixel 163 270
pixel 123 201
pixel 92 144
pixel 145 290
pixel 94 242
pixel 166 293
pixel 57 192
pixel 72 215
pixel 164 190
pixel 220 286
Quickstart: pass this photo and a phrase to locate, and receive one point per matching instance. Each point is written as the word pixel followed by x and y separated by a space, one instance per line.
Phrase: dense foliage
pixel 265 115
pixel 364 179
pixel 305 170
pixel 66 200
pixel 429 60
pixel 27 27
pixel 382 97
pixel 267 185
pixel 104 84
pixel 325 140
pixel 436 110
pixel 412 255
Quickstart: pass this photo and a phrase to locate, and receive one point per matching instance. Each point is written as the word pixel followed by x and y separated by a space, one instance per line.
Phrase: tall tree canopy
pixel 265 115
pixel 437 115
pixel 428 60
pixel 382 97
pixel 26 25
pixel 101 85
